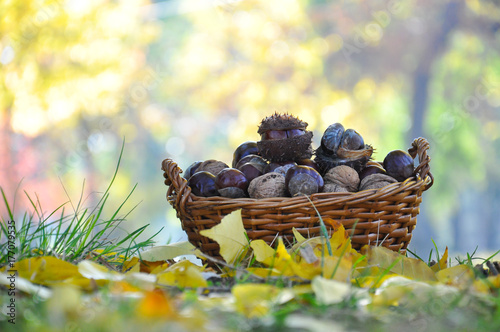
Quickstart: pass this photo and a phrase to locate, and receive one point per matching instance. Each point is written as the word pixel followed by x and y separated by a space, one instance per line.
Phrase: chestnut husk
pixel 281 122
pixel 356 159
pixel 292 148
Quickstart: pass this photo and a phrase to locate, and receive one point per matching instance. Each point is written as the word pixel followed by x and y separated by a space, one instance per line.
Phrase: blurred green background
pixel 191 80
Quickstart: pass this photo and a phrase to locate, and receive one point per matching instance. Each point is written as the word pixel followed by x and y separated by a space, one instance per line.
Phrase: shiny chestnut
pixel 244 149
pixel 399 165
pixel 231 182
pixel 203 184
pixel 303 180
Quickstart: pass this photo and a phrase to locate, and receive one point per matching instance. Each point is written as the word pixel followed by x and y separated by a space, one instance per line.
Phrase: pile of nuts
pixel 280 164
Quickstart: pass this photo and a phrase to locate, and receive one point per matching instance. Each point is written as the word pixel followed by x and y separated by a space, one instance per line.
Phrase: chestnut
pixel 339 147
pixel 244 149
pixel 294 132
pixel 352 140
pixel 371 169
pixel 308 162
pixel 212 166
pixel 281 134
pixel 271 167
pixel 231 182
pixel 399 165
pixel 330 141
pixel 273 134
pixel 303 180
pixel 283 169
pixel 252 158
pixel 251 170
pixel 191 169
pixel 203 184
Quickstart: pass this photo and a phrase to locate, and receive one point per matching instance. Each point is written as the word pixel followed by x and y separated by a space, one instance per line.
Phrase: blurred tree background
pixel 191 80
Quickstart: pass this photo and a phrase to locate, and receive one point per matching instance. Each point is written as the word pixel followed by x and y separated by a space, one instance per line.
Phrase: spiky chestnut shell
pixel 284 138
pixel 356 159
pixel 281 122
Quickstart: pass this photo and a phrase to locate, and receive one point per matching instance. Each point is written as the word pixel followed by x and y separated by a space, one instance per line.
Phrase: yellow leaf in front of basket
pixel 340 240
pixel 281 252
pixel 337 268
pixel 264 272
pixel 182 274
pixel 391 261
pixel 443 262
pixel 298 237
pixel 461 276
pixel 169 251
pixel 329 291
pixel 254 300
pixel 263 252
pixel 230 235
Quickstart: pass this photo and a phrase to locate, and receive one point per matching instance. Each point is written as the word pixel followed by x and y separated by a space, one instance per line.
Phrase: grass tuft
pixel 83 233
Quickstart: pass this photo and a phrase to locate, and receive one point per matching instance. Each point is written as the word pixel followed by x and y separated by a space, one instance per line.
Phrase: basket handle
pixel 176 184
pixel 419 147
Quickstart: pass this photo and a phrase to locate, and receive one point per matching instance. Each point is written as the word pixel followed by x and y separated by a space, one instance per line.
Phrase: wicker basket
pixel 385 216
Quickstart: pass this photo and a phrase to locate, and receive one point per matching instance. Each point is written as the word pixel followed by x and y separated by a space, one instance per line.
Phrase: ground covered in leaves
pixel 316 284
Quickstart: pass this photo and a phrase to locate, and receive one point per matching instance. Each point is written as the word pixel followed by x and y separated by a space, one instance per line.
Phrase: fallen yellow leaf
pixel 254 300
pixel 155 304
pixel 230 235
pixel 170 251
pixel 387 259
pixel 461 276
pixel 443 262
pixel 329 291
pixel 46 270
pixel 263 252
pixel 298 237
pixel 182 274
pixel 92 270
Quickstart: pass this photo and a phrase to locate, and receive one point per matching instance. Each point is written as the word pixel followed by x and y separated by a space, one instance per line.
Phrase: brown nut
pixel 376 181
pixel 212 166
pixel 268 185
pixel 343 176
pixel 334 188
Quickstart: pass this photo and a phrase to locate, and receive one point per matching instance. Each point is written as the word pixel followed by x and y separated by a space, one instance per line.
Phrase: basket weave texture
pixel 385 216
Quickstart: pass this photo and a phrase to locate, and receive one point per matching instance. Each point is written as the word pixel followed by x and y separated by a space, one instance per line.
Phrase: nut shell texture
pixel 267 185
pixel 376 181
pixel 212 166
pixel 334 188
pixel 343 176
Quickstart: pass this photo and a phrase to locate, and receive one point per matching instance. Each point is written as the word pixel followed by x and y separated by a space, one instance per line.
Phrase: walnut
pixel 376 181
pixel 212 166
pixel 343 176
pixel 268 185
pixel 334 188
